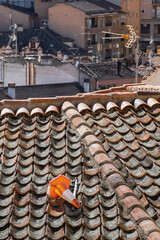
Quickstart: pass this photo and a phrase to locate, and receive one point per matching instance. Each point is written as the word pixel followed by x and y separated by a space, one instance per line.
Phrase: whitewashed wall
pixel 12 72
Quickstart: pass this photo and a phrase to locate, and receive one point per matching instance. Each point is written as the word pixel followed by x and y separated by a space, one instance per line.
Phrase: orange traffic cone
pixel 59 187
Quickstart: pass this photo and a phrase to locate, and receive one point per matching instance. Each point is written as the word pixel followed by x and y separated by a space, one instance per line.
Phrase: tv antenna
pixel 132 38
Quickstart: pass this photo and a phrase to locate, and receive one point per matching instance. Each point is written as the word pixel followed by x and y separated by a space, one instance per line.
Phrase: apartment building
pixel 133 10
pixel 41 8
pixel 86 22
pixel 14 14
pixel 150 23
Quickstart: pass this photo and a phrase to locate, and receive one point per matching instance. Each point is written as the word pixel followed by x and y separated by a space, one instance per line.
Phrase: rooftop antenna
pixel 13 37
pixel 10 15
pixel 132 38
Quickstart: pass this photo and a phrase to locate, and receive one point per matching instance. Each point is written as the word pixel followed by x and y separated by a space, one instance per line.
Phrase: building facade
pixel 133 17
pixel 87 23
pixel 15 14
pixel 41 8
pixel 133 10
pixel 150 23
pixel 29 72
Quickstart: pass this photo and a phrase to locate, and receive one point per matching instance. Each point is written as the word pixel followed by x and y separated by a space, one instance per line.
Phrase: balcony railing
pixel 155 15
pixel 156 1
pixel 108 24
pixel 157 35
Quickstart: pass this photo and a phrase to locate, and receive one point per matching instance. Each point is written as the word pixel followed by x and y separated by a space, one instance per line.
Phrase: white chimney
pixel 12 90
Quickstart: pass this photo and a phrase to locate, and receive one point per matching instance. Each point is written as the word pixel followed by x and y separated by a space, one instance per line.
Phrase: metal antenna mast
pixel 132 38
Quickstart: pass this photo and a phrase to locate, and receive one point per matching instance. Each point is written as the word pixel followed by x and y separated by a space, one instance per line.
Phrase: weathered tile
pixel 35 149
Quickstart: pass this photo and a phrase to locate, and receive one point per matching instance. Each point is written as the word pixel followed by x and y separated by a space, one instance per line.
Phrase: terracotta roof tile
pixel 112 152
pixel 153 236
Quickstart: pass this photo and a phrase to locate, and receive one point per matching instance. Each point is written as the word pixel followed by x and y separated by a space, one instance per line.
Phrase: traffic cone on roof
pixel 59 187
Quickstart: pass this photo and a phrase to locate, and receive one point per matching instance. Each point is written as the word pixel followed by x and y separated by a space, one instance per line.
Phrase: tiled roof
pixel 94 6
pixel 44 90
pixel 85 6
pixel 24 10
pixel 153 78
pixel 105 4
pixel 3 95
pixel 108 70
pixel 147 69
pixel 50 41
pixel 109 141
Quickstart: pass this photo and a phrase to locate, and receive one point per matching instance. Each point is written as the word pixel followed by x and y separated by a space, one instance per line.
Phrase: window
pixel 108 53
pixel 142 9
pixel 44 22
pixel 94 39
pixel 101 23
pixel 94 22
pixel 88 23
pixel 32 23
pixel 33 45
pixel 107 36
pixel 123 19
pixel 114 21
pixel 153 12
pixel 108 22
pixel 145 28
pixel 158 12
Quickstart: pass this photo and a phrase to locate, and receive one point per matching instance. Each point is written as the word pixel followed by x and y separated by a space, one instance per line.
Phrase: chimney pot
pixel 12 90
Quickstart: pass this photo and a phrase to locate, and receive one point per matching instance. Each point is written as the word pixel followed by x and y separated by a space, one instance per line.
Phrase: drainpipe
pixel 2 72
pixel 97 85
pixel 12 90
pixel 32 72
pixel 28 74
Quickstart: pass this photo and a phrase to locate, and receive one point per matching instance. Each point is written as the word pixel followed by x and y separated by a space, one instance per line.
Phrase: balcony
pixel 92 23
pixel 108 24
pixel 154 15
pixel 155 1
pixel 156 35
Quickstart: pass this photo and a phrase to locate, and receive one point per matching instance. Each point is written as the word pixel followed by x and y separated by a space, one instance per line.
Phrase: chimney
pixel 59 56
pixel 119 66
pixel 12 90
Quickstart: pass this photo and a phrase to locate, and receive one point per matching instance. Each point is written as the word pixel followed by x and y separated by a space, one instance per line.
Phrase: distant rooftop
pixel 85 6
pixel 116 2
pixel 108 70
pixel 93 7
pixel 105 4
pixel 50 41
pixel 43 91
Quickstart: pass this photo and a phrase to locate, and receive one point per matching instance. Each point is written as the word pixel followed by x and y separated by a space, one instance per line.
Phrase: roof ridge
pixel 111 172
